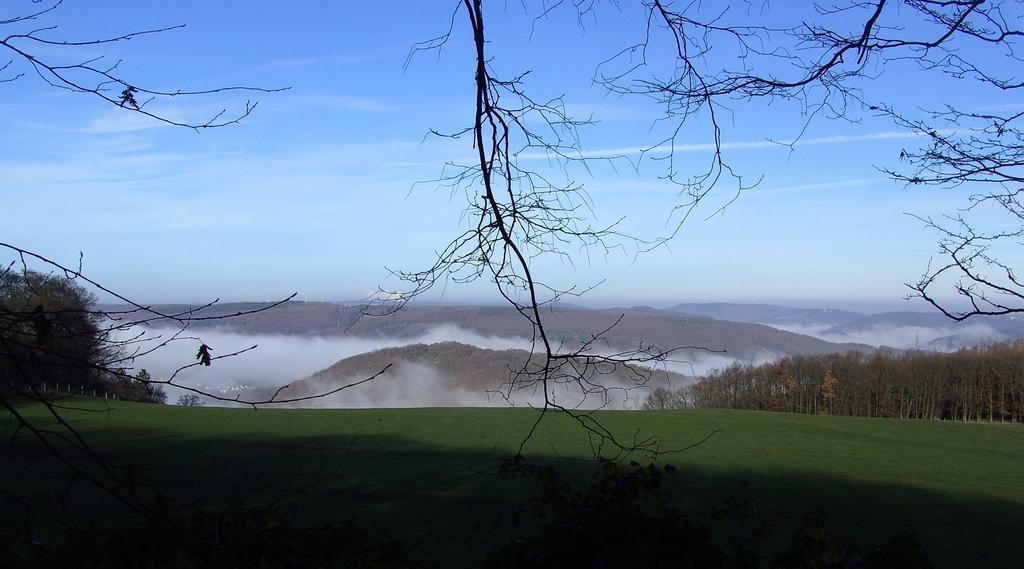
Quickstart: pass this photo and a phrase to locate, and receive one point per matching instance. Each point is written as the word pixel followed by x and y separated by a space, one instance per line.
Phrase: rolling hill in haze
pixel 298 338
pixel 770 314
pixel 568 325
pixel 901 329
pixel 450 374
pixel 920 330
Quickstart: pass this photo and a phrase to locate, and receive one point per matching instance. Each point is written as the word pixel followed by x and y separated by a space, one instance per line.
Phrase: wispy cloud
pixel 740 145
pixel 386 52
pixel 285 64
pixel 346 103
pixel 662 186
pixel 609 112
pixel 836 184
pixel 114 121
pixel 202 194
pixel 1002 107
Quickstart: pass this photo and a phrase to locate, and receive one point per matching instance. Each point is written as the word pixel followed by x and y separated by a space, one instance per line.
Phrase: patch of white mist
pixel 277 359
pixel 414 385
pixel 697 364
pixel 902 337
pixel 282 359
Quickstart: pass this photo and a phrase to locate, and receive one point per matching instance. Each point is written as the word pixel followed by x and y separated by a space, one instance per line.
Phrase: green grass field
pixel 417 472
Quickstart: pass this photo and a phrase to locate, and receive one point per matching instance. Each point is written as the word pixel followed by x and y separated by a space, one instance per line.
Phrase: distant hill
pixel 1003 324
pixel 568 325
pixel 768 313
pixel 893 320
pixel 925 330
pixel 936 331
pixel 449 374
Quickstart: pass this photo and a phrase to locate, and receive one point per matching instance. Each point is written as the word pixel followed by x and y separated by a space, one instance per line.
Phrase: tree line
pixel 52 338
pixel 974 384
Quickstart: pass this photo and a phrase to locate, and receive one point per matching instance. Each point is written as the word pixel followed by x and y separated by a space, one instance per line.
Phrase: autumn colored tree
pixel 829 392
pixel 975 384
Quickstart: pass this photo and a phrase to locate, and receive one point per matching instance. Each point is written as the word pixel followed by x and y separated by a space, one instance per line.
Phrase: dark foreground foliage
pixel 234 536
pixel 623 518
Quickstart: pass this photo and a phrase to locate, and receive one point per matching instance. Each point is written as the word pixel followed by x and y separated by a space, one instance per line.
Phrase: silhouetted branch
pixel 721 55
pixel 96 76
pixel 518 214
pixel 67 339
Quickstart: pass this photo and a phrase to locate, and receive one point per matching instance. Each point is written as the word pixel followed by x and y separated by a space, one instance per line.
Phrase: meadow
pixel 428 476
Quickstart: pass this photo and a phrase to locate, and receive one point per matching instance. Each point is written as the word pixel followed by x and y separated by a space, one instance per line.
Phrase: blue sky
pixel 317 190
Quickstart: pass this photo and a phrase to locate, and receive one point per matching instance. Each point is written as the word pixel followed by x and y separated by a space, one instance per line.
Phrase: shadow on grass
pixel 447 503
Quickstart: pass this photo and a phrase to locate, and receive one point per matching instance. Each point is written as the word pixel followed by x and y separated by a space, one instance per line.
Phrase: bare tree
pixel 60 333
pixel 33 45
pixel 65 336
pixel 722 54
pixel 519 214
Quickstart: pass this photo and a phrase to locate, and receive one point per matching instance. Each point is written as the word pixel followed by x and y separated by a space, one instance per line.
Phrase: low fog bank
pixel 278 359
pixel 420 385
pixel 906 337
pixel 415 384
pixel 281 359
pixel 696 364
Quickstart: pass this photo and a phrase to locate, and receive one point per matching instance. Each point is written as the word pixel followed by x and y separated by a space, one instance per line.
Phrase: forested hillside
pixel 977 384
pixel 454 374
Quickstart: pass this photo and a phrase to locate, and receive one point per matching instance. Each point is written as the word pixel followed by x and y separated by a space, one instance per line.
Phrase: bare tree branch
pixel 96 76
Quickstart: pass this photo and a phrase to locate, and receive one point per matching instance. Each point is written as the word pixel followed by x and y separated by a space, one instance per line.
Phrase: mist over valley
pixel 895 329
pixel 463 355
